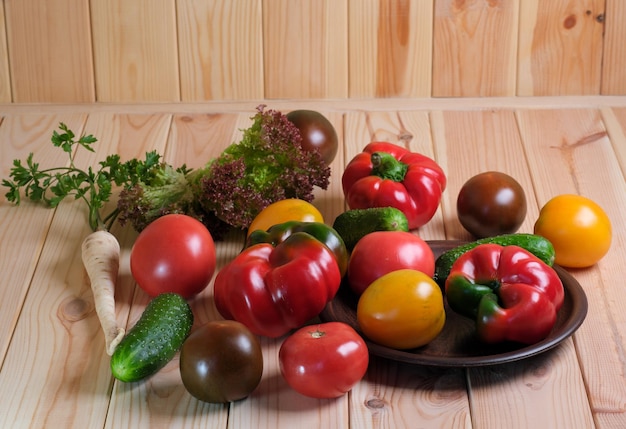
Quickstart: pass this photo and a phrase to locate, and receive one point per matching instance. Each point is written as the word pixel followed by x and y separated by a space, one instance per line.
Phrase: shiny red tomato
pixel 324 360
pixel 382 252
pixel 175 253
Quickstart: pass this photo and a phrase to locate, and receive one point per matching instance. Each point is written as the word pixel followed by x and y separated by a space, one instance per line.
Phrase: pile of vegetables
pixel 293 263
pixel 269 164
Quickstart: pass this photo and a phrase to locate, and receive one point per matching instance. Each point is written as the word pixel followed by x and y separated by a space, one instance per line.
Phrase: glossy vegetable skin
pixel 491 203
pixel 324 360
pixel 221 361
pixel 317 133
pixel 353 225
pixel 290 209
pixel 322 232
pixel 387 175
pixel 175 253
pixel 535 244
pixel 510 293
pixel 382 252
pixel 579 229
pixel 402 310
pixel 154 340
pixel 273 289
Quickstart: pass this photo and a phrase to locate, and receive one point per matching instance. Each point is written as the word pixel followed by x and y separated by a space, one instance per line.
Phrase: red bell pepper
pixel 512 294
pixel 273 289
pixel 385 174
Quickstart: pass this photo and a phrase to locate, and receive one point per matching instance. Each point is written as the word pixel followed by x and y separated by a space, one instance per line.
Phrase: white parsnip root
pixel 101 258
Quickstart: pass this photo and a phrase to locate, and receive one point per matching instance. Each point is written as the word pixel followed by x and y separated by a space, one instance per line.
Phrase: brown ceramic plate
pixel 457 345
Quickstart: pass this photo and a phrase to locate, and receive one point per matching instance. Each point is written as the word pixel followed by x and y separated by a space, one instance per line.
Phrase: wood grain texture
pixel 536 385
pixel 501 149
pixel 205 50
pixel 5 76
pixel 390 48
pixel 392 394
pixel 20 136
pixel 55 371
pixel 49 60
pixel 305 48
pixel 135 50
pixel 58 354
pixel 457 134
pixel 614 55
pixel 221 49
pixel 560 47
pixel 474 48
pixel 573 146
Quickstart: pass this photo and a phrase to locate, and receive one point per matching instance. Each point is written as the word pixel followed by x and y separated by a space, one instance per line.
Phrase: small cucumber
pixel 352 225
pixel 535 244
pixel 154 340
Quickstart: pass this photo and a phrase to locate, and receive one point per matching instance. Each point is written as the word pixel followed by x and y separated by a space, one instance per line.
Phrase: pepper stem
pixel 385 166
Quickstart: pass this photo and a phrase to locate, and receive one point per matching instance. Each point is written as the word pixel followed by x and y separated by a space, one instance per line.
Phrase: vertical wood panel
pixel 614 59
pixel 390 48
pixel 5 77
pixel 135 50
pixel 221 49
pixel 474 48
pixel 560 49
pixel 305 48
pixel 50 50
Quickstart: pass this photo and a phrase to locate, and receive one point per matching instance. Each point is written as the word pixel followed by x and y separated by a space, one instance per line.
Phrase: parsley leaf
pixel 94 186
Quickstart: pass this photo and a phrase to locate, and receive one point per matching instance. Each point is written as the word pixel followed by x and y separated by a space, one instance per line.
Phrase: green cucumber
pixel 154 340
pixel 352 225
pixel 535 244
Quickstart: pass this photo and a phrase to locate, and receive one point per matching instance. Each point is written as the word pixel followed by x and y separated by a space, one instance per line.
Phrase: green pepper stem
pixel 385 166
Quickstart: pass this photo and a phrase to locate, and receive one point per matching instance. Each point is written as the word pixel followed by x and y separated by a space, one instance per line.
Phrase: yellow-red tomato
pixel 285 211
pixel 402 310
pixel 577 227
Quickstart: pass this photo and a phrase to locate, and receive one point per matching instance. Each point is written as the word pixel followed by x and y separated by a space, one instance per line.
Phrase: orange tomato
pixel 285 211
pixel 577 227
pixel 402 310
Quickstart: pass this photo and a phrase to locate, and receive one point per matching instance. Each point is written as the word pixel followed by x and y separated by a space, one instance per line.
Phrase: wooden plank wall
pixel 69 51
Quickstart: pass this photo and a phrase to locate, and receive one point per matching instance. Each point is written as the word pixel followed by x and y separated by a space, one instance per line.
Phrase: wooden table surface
pixel 55 372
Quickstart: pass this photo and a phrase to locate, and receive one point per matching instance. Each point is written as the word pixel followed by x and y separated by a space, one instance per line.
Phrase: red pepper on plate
pixel 273 289
pixel 512 294
pixel 388 175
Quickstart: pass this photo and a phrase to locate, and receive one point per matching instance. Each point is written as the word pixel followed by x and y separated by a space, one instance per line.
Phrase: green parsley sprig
pixel 94 186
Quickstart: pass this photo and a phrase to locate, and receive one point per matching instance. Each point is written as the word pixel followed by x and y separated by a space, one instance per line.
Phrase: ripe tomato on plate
pixel 324 360
pixel 175 253
pixel 382 252
pixel 402 310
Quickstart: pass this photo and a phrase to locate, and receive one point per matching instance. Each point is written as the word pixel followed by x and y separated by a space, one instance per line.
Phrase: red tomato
pixel 323 361
pixel 175 253
pixel 382 252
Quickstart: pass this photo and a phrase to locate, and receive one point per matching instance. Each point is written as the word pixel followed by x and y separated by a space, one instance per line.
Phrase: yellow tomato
pixel 402 310
pixel 577 227
pixel 285 211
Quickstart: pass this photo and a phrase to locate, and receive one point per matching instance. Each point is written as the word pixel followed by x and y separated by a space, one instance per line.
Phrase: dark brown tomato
pixel 221 362
pixel 317 133
pixel 491 203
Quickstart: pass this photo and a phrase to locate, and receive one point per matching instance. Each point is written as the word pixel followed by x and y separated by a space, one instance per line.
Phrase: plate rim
pixel 573 321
